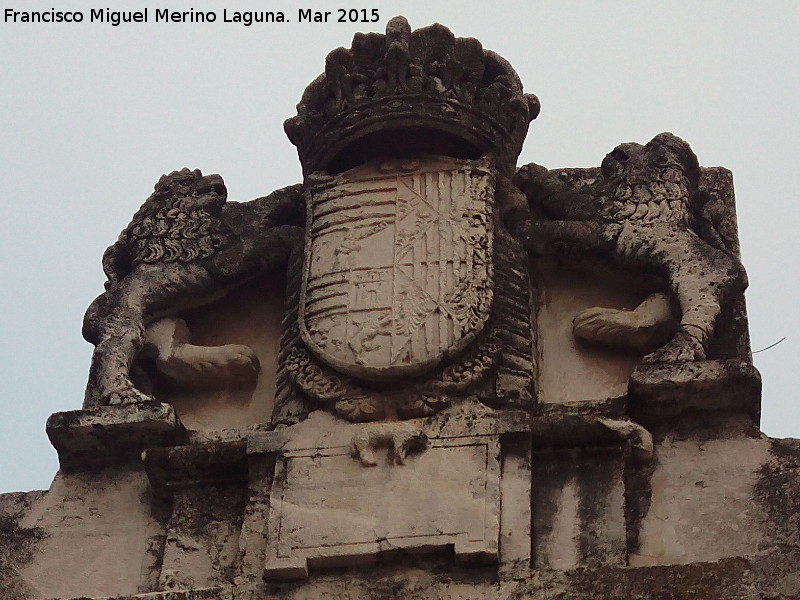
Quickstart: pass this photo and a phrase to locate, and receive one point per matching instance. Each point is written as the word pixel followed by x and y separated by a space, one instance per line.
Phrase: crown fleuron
pixel 411 91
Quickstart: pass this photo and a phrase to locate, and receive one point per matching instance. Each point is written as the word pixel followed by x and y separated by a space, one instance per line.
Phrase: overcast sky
pixel 93 114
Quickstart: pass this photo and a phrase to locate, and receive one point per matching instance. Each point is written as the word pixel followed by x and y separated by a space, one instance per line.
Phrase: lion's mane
pixel 169 227
pixel 654 183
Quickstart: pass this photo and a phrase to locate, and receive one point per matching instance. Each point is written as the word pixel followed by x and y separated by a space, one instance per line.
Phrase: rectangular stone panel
pixel 329 510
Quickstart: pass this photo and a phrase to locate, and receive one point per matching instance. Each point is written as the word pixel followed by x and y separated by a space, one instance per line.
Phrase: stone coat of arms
pixel 398 264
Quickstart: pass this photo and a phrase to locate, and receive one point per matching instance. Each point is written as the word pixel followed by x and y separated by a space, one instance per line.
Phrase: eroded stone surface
pixel 769 576
pixel 179 252
pixel 398 267
pixel 17 543
pixel 96 530
pixel 578 508
pixel 330 507
pixel 202 542
pixel 702 498
pixel 778 494
pixel 640 210
pixel 409 304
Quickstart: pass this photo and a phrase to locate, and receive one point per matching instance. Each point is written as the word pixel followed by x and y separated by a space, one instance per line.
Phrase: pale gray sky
pixel 92 115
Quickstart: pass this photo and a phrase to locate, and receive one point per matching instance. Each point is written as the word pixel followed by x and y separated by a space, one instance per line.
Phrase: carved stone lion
pixel 644 210
pixel 184 248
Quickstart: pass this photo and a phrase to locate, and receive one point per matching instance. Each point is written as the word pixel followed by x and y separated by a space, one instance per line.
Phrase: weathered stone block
pixel 662 391
pixel 175 468
pixel 327 509
pixel 97 437
pixel 207 486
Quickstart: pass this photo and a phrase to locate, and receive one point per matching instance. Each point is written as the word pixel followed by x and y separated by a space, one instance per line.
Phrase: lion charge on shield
pixel 177 253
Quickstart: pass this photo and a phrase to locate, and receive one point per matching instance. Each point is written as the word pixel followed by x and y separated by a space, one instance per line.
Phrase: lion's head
pixel 179 222
pixel 654 182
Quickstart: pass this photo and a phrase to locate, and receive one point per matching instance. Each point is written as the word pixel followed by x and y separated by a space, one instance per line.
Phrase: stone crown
pixel 426 81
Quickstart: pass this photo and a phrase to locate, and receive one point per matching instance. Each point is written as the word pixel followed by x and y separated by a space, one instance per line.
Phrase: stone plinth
pixel 663 391
pixel 108 435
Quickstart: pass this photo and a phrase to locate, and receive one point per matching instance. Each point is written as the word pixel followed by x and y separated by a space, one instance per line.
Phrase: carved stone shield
pixel 398 264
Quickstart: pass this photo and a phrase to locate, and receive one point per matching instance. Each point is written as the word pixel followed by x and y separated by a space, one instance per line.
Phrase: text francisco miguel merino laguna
pixel 246 18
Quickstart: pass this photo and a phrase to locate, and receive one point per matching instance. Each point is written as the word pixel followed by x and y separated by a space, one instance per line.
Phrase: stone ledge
pixel 612 408
pixel 772 575
pixel 265 442
pixel 99 437
pixel 658 392
pixel 571 430
pixel 169 469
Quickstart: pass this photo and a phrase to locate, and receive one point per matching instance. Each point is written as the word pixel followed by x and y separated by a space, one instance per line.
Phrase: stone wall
pixel 421 373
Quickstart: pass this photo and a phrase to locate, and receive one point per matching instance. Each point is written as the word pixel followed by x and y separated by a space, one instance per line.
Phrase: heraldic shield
pixel 398 264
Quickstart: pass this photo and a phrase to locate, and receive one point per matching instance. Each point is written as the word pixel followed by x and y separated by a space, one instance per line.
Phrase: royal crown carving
pixel 425 79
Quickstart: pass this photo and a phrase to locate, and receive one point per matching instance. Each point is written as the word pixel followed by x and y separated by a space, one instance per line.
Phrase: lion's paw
pixel 232 364
pixel 128 396
pixel 642 329
pixel 682 348
pixel 599 324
